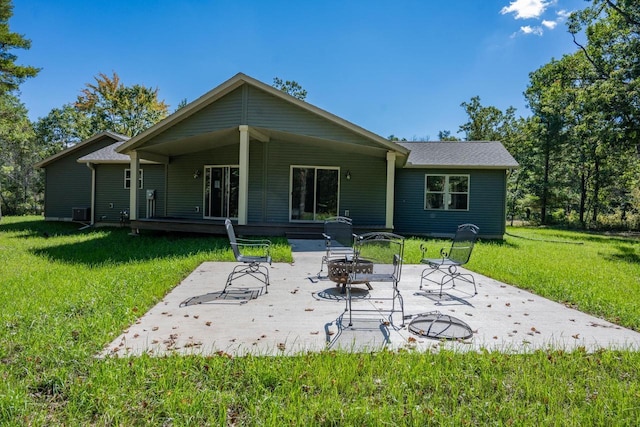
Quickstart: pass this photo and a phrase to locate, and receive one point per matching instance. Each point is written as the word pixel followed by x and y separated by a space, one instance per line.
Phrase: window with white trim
pixel 446 192
pixel 127 178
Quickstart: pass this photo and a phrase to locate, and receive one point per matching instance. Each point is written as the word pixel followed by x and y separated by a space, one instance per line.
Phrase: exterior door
pixel 314 193
pixel 221 191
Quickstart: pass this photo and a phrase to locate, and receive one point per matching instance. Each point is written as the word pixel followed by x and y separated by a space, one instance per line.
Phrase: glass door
pixel 221 185
pixel 314 193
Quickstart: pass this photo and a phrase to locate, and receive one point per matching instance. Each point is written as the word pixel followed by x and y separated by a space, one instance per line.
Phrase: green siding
pixel 269 171
pixel 267 111
pixel 225 113
pixel 487 198
pixel 112 198
pixel 363 195
pixel 68 183
pixel 186 193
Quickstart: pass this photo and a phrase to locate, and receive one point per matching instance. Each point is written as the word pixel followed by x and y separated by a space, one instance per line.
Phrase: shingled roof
pixel 109 154
pixel 481 155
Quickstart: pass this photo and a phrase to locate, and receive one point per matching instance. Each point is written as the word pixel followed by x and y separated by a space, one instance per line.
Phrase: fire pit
pixel 339 270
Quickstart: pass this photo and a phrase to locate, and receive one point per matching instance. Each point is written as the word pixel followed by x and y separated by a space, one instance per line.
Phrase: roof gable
pixel 95 139
pixel 234 83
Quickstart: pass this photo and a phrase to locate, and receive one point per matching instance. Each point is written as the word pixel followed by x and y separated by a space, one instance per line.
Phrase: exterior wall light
pixel 348 175
pixel 196 174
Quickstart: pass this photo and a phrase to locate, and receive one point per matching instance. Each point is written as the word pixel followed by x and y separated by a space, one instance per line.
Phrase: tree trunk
pixel 583 197
pixel 596 190
pixel 545 182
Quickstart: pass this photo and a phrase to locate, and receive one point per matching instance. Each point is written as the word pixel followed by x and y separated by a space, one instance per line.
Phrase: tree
pixel 445 135
pixel 291 87
pixel 62 128
pixel 107 105
pixel 547 97
pixel 612 30
pixel 183 103
pixel 485 123
pixel 394 138
pixel 11 74
pixel 18 153
pixel 128 110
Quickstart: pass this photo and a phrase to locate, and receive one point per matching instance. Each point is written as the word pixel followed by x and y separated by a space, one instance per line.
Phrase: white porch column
pixel 243 191
pixel 391 185
pixel 133 187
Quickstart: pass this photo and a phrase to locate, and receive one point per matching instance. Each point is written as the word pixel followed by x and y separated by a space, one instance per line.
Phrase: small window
pixel 447 192
pixel 127 178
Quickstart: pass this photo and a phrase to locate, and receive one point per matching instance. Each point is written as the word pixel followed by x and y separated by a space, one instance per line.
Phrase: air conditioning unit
pixel 81 214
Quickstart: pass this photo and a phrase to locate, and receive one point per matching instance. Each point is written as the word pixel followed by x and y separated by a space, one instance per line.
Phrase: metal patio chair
pixel 377 257
pixel 252 254
pixel 451 259
pixel 338 236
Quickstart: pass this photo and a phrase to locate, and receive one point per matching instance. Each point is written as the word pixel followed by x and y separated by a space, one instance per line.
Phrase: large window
pixel 314 193
pixel 446 192
pixel 127 178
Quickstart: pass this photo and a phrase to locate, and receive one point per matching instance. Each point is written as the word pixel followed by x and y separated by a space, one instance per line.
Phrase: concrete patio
pixel 301 313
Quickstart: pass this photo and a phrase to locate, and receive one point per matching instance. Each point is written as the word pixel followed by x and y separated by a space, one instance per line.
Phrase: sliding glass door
pixel 314 193
pixel 221 191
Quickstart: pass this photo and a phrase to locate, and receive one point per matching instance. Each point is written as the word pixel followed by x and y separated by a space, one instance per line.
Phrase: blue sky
pixel 393 67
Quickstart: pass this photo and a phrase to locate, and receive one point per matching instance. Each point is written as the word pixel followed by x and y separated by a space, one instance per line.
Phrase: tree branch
pixel 630 20
pixel 598 69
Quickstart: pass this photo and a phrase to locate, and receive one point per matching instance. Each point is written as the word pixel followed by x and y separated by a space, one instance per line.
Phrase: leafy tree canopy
pixel 291 87
pixel 11 74
pixel 128 110
pixel 445 135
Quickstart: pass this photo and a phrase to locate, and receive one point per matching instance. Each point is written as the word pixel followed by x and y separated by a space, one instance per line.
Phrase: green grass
pixel 65 294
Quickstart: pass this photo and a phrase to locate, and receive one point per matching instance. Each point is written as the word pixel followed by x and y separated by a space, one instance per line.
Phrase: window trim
pixel 127 179
pixel 447 194
pixel 316 167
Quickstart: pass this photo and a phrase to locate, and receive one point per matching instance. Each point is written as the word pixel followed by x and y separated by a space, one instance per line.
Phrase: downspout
pixel 93 192
pixel 391 184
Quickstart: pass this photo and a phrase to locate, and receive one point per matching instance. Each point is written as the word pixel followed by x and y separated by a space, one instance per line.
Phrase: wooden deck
pixel 216 227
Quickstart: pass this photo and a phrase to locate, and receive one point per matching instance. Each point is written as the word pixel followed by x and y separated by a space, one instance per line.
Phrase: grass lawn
pixel 65 294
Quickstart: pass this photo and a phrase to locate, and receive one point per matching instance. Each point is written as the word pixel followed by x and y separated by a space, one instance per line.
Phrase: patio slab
pixel 303 313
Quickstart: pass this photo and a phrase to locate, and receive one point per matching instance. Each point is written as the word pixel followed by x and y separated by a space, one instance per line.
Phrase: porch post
pixel 243 191
pixel 391 184
pixel 134 170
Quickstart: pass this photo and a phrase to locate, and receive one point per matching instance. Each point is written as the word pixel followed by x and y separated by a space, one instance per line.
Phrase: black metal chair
pixel 451 259
pixel 252 254
pixel 338 236
pixel 377 257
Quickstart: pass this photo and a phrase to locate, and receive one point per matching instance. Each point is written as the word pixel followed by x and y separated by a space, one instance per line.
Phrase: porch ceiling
pixel 229 136
pixel 193 144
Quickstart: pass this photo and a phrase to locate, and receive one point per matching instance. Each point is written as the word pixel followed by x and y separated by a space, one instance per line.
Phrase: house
pixel 90 182
pixel 278 165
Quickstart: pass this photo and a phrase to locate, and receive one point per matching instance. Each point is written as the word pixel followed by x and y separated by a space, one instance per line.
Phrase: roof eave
pixel 448 166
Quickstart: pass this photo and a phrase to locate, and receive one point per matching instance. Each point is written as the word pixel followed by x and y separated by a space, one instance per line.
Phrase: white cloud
pixel 563 14
pixel 527 29
pixel 549 24
pixel 525 9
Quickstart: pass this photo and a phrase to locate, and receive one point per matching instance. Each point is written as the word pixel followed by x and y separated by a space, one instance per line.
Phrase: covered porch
pixel 266 160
